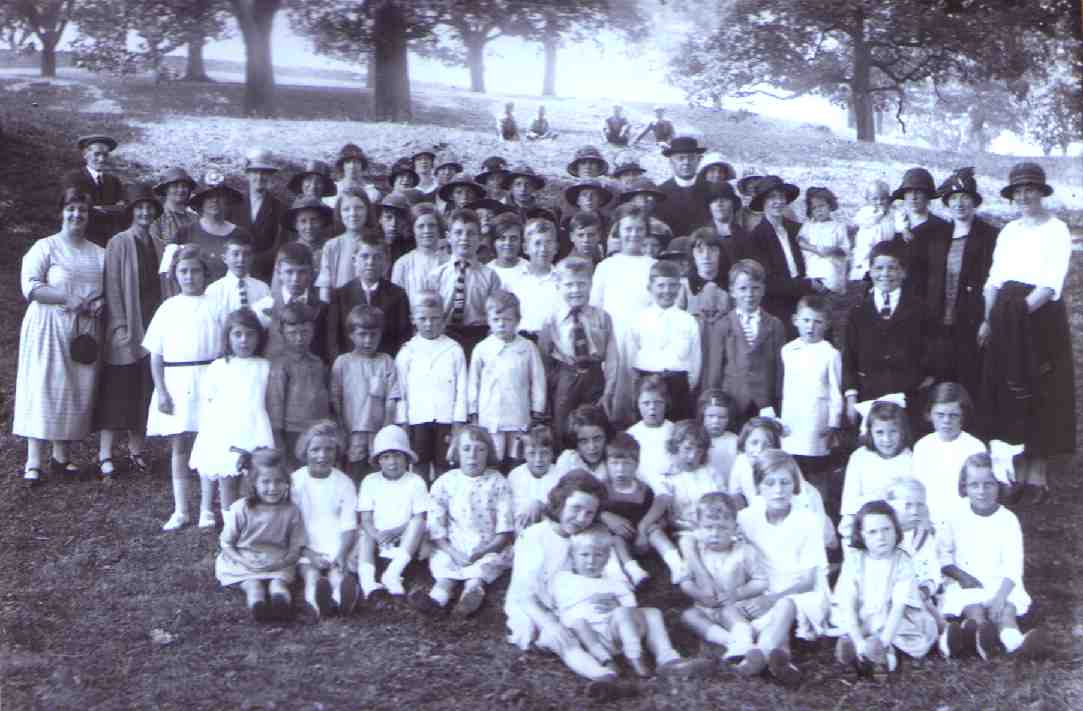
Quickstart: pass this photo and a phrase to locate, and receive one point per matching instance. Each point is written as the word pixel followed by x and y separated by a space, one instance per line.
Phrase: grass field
pixel 88 575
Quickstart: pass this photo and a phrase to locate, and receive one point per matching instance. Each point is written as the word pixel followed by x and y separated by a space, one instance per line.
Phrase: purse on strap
pixel 85 348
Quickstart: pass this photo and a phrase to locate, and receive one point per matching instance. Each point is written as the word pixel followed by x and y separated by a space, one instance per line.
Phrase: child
pixel 463 283
pixel 532 481
pixel 704 294
pixel 394 215
pixel 587 195
pixel 336 263
pixel 825 242
pixel 653 430
pixel 432 378
pixel 878 604
pixel 371 288
pixel 539 127
pixel 658 238
pixel 757 436
pixel 875 223
pixel 237 289
pixel 744 353
pixel 981 553
pixel 577 342
pixel 603 629
pixel 627 502
pixel 507 231
pixel 298 387
pixel 364 387
pixel 261 539
pixel 294 272
pixel 505 388
pixel 791 544
pixel 620 287
pixel 506 126
pixel 585 231
pixel 233 413
pixel 731 572
pixel 536 284
pixel 471 525
pixel 723 204
pixel 494 171
pixel 715 410
pixel 411 270
pixel 460 192
pixel 183 338
pixel 666 341
pixel 423 162
pixel 585 437
pixel 627 168
pixel 907 499
pixel 328 503
pixel 811 389
pixel 393 504
pixel 938 455
pixel 310 218
pixel 522 183
pixel 884 458
pixel 487 210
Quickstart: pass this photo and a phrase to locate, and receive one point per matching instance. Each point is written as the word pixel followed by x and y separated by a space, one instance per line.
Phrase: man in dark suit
pixel 372 289
pixel 106 190
pixel 261 213
pixel 685 205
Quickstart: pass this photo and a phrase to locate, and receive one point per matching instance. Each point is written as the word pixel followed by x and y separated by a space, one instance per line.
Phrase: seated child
pixel 298 388
pixel 621 625
pixel 328 503
pixel 757 436
pixel 715 412
pixel 532 481
pixel 883 458
pixel 371 288
pixel 585 439
pixel 238 289
pixel 364 387
pixel 653 431
pixel 261 539
pixel 981 554
pixel 411 270
pixel 539 127
pixel 471 525
pixel 941 453
pixel 907 497
pixel 878 604
pixel 627 503
pixel 506 127
pixel 393 504
pixel 825 242
pixel 294 271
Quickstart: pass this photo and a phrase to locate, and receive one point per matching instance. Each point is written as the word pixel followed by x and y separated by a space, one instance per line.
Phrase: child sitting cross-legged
pixel 532 481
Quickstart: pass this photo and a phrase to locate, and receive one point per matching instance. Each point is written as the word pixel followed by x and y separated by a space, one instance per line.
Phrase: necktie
pixel 580 345
pixel 885 310
pixel 98 181
pixel 458 299
pixel 747 327
pixel 243 293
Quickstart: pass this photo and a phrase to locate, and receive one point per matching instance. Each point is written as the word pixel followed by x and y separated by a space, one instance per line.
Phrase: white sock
pixel 677 568
pixel 397 565
pixel 635 572
pixel 440 595
pixel 1011 638
pixel 366 573
pixel 718 635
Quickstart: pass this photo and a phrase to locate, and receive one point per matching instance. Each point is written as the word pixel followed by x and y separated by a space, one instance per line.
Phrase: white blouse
pixel 1037 255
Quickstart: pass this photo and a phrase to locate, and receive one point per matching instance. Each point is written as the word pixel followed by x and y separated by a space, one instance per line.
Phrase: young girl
pixel 981 551
pixel 716 408
pixel 328 503
pixel 412 269
pixel 878 604
pixel 261 538
pixel 183 338
pixel 791 544
pixel 939 455
pixel 587 432
pixel 884 458
pixel 508 244
pixel 532 481
pixel 824 241
pixel 233 412
pixel 393 504
pixel 471 525
pixel 336 262
pixel 653 431
pixel 628 502
pixel 757 435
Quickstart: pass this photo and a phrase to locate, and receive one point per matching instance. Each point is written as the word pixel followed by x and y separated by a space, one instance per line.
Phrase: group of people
pixel 616 131
pixel 455 370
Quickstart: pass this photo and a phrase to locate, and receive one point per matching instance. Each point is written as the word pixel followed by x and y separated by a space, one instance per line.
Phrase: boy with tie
pixel 370 288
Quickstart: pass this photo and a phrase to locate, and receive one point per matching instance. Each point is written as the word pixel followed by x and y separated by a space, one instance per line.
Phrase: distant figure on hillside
pixel 506 126
pixel 105 190
pixel 662 127
pixel 617 128
pixel 539 127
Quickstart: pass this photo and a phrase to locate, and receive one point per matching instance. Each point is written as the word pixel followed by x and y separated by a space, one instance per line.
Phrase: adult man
pixel 685 205
pixel 106 190
pixel 261 213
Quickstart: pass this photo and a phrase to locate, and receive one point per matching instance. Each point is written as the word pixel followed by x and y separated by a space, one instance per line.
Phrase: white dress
pixel 328 508
pixel 722 455
pixel 988 547
pixel 827 235
pixel 185 329
pixel 527 489
pixel 811 396
pixel 654 459
pixel 868 477
pixel 873 227
pixel 937 465
pixel 233 414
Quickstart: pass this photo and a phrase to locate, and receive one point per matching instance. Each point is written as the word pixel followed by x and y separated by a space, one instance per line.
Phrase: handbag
pixel 84 348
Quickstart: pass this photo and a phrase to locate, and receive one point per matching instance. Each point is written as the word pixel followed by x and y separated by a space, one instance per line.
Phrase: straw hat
pixel 213 182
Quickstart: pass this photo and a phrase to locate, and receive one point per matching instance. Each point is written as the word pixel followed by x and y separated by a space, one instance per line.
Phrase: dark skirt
pixel 124 395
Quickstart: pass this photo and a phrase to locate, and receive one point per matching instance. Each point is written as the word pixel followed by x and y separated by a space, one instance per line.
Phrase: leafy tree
pixel 465 27
pixel 47 20
pixel 13 31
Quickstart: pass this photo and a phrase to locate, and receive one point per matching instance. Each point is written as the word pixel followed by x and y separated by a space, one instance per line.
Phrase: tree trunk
pixel 389 70
pixel 370 72
pixel 256 18
pixel 475 59
pixel 196 69
pixel 48 53
pixel 860 98
pixel 549 86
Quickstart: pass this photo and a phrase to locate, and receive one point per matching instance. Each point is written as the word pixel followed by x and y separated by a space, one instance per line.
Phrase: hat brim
pixel 484 177
pixel 487 203
pixel 728 172
pixel 450 164
pixel 572 193
pixel 791 191
pixel 659 196
pixel 374 459
pixel 1009 190
pixel 573 167
pixel 161 188
pixel 394 174
pixel 325 211
pixel 670 151
pixel 85 141
pixel 444 193
pixel 900 194
pixel 417 155
pixel 329 188
pixel 948 193
pixel 537 180
pixel 261 167
pixel 196 201
pixel 622 169
pixel 747 184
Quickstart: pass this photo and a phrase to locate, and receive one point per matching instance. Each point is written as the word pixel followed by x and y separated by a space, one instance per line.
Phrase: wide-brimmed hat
pixel 84 141
pixel 213 182
pixel 683 144
pixel 713 158
pixel 915 179
pixel 260 159
pixel 318 168
pixel 488 203
pixel 352 151
pixel 403 166
pixel 306 202
pixel 524 171
pixel 721 191
pixel 391 438
pixel 139 192
pixel 444 193
pixel 396 201
pixel 641 186
pixel 769 183
pixel 961 181
pixel 424 152
pixel 627 164
pixel 493 165
pixel 1026 173
pixel 587 153
pixel 448 161
pixel 747 184
pixel 174 175
pixel 571 194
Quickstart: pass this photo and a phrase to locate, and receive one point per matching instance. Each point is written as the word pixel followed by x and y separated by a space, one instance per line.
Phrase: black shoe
pixel 379 597
pixel 324 601
pixel 261 611
pixel 64 469
pixel 281 610
pixel 347 593
pixel 423 602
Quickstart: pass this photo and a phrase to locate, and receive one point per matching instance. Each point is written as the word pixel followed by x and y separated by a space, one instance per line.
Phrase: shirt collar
pixel 302 299
pixel 894 297
pixel 684 182
pixel 368 289
pixel 93 173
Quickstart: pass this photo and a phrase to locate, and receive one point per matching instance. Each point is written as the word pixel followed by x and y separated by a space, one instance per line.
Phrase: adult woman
pixel 132 295
pixel 54 393
pixel 174 188
pixel 211 231
pixel 1028 381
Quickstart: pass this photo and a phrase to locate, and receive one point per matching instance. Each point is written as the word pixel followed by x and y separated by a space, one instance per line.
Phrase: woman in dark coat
pixel 1028 381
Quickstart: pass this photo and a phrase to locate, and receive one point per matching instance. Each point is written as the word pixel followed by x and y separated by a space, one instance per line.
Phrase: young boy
pixel 576 341
pixel 298 387
pixel 432 380
pixel 463 283
pixel 460 192
pixel 237 289
pixel 364 387
pixel 294 272
pixel 522 184
pixel 886 338
pixel 705 295
pixel 532 481
pixel 506 382
pixel 394 215
pixel 588 163
pixel 536 285
pixel 309 219
pixel 487 210
pixel 585 231
pixel 336 261
pixel 506 126
pixel 507 230
pixel 743 348
pixel 372 289
pixel 666 340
